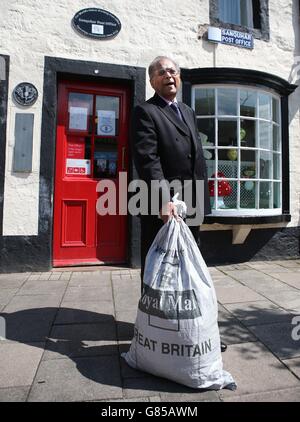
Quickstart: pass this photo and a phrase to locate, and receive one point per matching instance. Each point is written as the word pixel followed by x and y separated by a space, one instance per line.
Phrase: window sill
pixel 265 219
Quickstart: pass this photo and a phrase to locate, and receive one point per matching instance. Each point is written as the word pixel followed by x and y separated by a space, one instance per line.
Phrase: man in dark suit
pixel 166 147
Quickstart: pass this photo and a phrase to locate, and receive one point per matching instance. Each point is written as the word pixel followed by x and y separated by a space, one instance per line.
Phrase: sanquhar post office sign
pixel 96 23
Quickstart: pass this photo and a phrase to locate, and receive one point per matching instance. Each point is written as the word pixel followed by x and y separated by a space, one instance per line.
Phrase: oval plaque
pixel 96 23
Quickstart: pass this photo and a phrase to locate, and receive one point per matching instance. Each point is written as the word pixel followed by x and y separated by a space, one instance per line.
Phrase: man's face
pixel 165 79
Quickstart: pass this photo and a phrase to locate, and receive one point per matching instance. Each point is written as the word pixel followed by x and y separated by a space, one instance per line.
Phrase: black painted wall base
pixel 22 254
pixel 260 245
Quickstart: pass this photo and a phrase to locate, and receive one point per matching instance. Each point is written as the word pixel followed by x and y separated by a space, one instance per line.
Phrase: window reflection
pixel 105 158
pixel 264 107
pixel 265 163
pixel 227 132
pixel 227 102
pixel 248 103
pixel 265 196
pixel 205 102
pixel 265 135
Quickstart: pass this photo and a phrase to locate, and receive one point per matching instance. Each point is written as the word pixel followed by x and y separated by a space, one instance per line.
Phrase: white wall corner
pixel 240 233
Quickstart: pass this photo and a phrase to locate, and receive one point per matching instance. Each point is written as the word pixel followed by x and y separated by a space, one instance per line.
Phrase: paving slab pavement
pixel 66 330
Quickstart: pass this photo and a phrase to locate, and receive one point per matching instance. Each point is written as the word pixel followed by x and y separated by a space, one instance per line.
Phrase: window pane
pixel 246 13
pixel 248 194
pixel 276 195
pixel 227 102
pixel 226 194
pixel 230 12
pixel 227 132
pixel 227 167
pixel 229 154
pixel 276 166
pixel 276 138
pixel 107 115
pixel 239 12
pixel 265 195
pixel 248 133
pixel 265 165
pixel 275 110
pixel 265 135
pixel 248 164
pixel 80 112
pixel 206 129
pixel 264 101
pixel 204 102
pixel 105 158
pixel 248 103
pixel 229 192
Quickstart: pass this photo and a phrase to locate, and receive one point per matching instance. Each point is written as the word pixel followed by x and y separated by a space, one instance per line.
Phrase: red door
pixel 91 145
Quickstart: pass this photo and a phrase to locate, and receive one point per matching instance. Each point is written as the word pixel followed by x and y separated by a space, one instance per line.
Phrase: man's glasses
pixel 171 70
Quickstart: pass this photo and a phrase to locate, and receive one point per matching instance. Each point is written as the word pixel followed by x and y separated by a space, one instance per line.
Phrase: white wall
pixel 31 29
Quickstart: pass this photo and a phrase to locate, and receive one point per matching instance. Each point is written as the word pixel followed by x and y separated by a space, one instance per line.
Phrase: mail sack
pixel 176 334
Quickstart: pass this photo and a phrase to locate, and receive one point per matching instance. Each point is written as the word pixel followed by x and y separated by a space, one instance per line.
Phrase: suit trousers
pixel 150 226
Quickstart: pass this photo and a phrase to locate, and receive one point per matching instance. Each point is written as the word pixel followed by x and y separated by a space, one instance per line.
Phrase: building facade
pixel 70 74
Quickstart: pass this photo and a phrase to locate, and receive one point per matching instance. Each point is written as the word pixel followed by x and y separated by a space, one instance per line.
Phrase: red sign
pixel 76 170
pixel 75 150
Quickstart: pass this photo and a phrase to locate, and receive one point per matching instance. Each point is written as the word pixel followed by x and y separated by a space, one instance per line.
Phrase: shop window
pixel 240 129
pixel 242 118
pixel 245 15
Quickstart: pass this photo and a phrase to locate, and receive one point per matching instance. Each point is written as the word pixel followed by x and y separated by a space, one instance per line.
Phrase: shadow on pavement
pixel 76 334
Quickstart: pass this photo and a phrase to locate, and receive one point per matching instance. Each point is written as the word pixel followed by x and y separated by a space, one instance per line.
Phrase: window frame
pixel 257 79
pixel 262 33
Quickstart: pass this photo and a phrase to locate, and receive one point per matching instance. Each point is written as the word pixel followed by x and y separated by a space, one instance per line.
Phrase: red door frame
pixel 80 236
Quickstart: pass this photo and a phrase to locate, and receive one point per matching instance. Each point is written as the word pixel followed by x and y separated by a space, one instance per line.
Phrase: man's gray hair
pixel 154 64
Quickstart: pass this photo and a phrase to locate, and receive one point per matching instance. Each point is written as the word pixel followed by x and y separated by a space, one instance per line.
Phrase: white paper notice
pixel 78 118
pixel 106 122
pixel 81 167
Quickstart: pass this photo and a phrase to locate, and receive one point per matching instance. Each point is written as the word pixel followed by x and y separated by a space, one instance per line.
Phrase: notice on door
pixel 78 118
pixel 106 122
pixel 75 167
pixel 75 149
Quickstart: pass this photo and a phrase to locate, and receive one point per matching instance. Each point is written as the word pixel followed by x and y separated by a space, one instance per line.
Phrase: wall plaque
pixel 25 94
pixel 96 23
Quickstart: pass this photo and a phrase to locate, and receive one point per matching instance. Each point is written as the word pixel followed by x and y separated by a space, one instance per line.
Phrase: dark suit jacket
pixel 165 147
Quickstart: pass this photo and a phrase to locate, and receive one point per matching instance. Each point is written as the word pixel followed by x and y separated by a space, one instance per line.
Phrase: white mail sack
pixel 176 333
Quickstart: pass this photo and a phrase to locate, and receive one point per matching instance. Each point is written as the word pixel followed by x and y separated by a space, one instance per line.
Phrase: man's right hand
pixel 167 211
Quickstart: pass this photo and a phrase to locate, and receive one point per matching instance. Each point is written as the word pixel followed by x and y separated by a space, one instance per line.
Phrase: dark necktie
pixel 174 106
